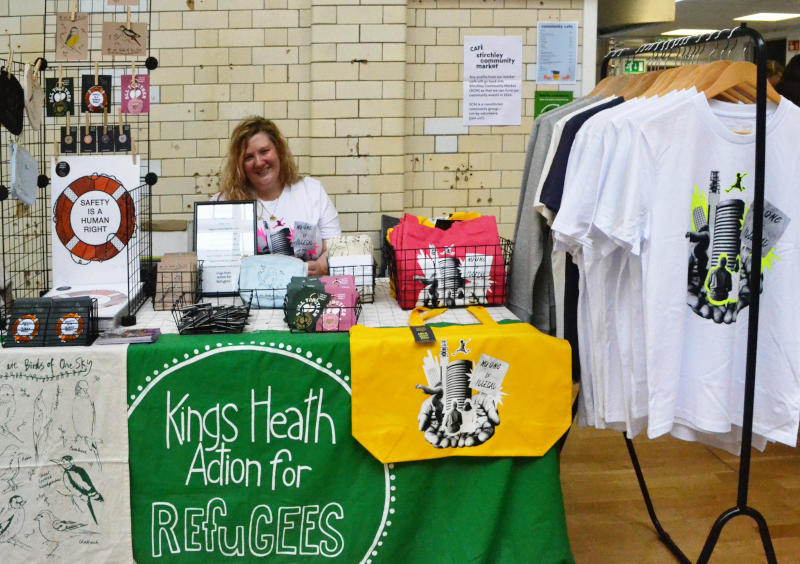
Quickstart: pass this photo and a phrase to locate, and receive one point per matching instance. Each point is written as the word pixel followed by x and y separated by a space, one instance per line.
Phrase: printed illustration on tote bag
pixel 450 280
pixel 462 410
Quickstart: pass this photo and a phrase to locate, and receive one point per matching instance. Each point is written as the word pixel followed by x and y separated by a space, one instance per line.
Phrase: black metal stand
pixel 741 507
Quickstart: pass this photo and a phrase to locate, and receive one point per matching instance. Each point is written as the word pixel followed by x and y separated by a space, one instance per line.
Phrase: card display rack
pixel 110 132
pixel 52 322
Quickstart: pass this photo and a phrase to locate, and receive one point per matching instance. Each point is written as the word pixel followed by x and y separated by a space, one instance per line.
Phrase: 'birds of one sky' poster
pixel 64 486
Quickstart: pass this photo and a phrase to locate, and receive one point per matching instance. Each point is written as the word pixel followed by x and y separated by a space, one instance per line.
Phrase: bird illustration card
pixel 135 93
pixel 60 97
pixel 120 38
pixel 96 93
pixel 72 37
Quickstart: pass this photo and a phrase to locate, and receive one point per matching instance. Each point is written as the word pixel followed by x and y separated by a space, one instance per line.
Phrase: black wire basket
pixel 364 276
pixel 52 322
pixel 332 318
pixel 170 286
pixel 453 276
pixel 215 314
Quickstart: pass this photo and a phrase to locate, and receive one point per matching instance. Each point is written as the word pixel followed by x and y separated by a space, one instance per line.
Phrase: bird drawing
pixel 130 34
pixel 9 466
pixel 8 406
pixel 12 520
pixel 79 484
pixel 42 420
pixel 72 37
pixel 84 418
pixel 55 530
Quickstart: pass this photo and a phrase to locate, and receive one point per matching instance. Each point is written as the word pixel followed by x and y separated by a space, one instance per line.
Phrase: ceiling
pixel 718 14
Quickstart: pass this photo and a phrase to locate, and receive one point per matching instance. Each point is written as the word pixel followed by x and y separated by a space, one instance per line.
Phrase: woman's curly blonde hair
pixel 234 184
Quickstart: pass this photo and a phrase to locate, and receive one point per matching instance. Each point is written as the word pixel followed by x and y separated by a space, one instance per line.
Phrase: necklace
pixel 263 205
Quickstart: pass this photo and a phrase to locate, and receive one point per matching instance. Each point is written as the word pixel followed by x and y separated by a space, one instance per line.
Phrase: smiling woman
pixel 295 214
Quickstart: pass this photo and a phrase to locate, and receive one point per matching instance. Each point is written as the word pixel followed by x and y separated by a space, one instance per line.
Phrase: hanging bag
pixel 478 390
pixel 12 102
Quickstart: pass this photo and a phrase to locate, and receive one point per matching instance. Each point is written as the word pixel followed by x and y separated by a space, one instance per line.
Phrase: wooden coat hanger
pixel 738 80
pixel 641 84
pixel 680 80
pixel 606 86
pixel 706 74
pixel 664 83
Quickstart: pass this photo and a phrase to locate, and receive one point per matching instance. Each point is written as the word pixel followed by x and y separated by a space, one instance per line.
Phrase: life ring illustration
pixel 25 328
pixel 96 99
pixel 96 242
pixel 69 327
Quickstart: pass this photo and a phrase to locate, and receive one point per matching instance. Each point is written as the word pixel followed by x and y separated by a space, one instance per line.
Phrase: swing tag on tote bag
pixel 422 333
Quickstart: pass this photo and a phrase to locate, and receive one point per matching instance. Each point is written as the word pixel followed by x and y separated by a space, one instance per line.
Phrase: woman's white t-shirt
pixel 297 222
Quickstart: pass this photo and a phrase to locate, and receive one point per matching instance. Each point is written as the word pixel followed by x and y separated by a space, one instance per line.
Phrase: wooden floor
pixel 690 485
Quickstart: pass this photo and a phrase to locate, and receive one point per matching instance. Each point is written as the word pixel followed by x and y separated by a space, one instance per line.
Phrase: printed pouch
pixel 266 277
pixel 34 98
pixel 24 173
pixel 349 245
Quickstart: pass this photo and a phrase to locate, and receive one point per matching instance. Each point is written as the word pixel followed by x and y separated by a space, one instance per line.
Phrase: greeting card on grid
pixel 135 93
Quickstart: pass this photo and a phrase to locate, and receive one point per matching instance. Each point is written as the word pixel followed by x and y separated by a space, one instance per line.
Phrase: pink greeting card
pixel 135 93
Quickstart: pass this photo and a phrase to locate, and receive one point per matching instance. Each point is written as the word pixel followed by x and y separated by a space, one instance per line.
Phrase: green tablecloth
pixel 240 446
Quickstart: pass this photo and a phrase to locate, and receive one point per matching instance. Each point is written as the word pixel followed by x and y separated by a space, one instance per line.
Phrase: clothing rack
pixel 663 51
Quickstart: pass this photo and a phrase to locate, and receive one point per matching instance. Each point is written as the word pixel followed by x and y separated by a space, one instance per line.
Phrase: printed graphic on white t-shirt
pixel 721 236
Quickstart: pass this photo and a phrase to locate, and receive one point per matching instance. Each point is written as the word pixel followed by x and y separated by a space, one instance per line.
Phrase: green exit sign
pixel 634 66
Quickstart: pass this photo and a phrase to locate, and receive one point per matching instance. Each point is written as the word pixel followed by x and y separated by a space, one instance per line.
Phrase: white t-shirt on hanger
pixel 695 351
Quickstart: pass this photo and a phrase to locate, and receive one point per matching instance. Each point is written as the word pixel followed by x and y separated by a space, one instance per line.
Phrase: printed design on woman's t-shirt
pixel 452 281
pixel 278 238
pixel 462 410
pixel 721 236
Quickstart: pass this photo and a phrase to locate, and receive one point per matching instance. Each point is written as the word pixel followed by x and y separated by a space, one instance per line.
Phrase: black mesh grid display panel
pixel 24 230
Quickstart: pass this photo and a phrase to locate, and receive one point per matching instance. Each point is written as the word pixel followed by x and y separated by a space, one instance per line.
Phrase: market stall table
pixel 240 446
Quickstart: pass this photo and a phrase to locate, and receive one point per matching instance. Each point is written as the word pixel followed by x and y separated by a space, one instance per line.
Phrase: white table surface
pixel 384 312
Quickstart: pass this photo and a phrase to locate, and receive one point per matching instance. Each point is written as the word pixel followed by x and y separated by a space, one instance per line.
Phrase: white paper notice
pixel 492 80
pixel 557 53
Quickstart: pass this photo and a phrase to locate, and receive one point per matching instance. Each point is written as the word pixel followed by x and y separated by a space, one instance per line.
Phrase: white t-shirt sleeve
pixel 621 213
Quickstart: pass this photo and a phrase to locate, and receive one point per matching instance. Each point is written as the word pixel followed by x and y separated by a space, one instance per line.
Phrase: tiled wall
pixel 367 91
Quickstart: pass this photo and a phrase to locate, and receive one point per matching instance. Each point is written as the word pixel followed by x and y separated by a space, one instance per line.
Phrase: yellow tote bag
pixel 479 390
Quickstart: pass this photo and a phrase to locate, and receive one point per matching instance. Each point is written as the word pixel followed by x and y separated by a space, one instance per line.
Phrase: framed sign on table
pixel 224 232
